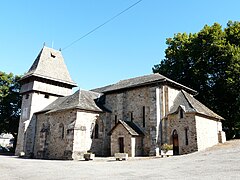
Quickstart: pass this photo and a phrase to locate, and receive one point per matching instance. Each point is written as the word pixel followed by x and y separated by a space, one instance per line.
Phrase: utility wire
pixel 112 18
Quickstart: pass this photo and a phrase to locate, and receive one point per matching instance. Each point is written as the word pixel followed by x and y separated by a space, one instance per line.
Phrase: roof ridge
pixel 139 81
pixel 187 99
pixel 131 127
pixel 146 75
pixel 34 66
pixel 79 96
pixel 203 109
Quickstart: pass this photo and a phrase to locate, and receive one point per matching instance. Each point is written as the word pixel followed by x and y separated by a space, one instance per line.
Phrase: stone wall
pixel 121 132
pixel 207 132
pixel 84 134
pixel 31 103
pixel 187 123
pixel 138 146
pixel 106 118
pixel 46 88
pixel 69 135
pixel 53 139
pixel 128 106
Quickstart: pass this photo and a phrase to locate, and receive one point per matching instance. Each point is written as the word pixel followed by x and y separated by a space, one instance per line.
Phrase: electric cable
pixel 96 28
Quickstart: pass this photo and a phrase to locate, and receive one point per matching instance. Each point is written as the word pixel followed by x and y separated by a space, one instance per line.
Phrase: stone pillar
pixel 155 116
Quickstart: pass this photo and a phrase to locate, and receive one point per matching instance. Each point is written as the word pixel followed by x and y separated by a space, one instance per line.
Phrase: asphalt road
pixel 218 162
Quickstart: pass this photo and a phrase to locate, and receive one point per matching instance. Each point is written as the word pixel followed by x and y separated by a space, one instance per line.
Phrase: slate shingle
pixel 192 105
pixel 141 81
pixel 81 99
pixel 131 127
pixel 49 64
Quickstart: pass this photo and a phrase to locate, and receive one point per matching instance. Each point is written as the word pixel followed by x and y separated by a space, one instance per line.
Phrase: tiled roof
pixel 131 127
pixel 189 104
pixel 49 64
pixel 141 81
pixel 81 99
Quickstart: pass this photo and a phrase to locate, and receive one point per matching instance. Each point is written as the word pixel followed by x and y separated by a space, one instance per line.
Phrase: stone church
pixel 135 116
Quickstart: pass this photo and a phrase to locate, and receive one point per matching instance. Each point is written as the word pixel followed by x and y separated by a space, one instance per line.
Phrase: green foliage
pixel 209 62
pixel 10 103
pixel 166 147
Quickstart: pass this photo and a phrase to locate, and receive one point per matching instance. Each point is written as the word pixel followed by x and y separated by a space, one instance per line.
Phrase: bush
pixel 166 147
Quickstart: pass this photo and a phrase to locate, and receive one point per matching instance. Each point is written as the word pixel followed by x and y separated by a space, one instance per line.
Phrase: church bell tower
pixel 46 80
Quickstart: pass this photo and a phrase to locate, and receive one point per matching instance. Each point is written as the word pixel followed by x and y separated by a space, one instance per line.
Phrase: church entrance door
pixel 121 144
pixel 175 143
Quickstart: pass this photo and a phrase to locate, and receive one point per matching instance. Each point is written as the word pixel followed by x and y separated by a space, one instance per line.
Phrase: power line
pixel 112 18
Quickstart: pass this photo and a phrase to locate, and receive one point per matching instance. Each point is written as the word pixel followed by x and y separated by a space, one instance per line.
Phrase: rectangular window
pixel 186 136
pixel 27 96
pixel 132 116
pixel 63 132
pixel 116 119
pixel 143 114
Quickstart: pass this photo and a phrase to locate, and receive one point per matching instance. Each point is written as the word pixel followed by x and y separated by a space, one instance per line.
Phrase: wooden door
pixel 175 143
pixel 121 144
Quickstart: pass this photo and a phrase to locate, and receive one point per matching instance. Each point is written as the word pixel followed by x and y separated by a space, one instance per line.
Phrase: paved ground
pixel 219 162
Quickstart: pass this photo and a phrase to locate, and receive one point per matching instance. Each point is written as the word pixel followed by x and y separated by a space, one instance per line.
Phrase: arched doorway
pixel 175 142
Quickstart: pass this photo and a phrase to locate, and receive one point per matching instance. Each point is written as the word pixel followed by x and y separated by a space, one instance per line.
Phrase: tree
pixel 10 104
pixel 209 62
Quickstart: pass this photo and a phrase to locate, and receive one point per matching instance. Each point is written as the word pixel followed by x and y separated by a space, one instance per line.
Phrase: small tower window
pixel 52 55
pixel 132 116
pixel 46 96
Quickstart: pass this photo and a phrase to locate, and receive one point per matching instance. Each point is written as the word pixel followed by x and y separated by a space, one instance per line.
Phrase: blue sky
pixel 126 47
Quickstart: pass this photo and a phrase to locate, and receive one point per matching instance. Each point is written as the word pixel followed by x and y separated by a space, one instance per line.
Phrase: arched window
pixel 96 131
pixel 181 114
pixel 131 116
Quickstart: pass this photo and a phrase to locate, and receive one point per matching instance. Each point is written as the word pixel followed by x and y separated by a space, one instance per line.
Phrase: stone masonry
pixel 135 116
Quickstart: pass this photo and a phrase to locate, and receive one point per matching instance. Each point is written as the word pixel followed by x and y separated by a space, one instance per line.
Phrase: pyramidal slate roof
pixel 81 99
pixel 141 81
pixel 49 64
pixel 191 105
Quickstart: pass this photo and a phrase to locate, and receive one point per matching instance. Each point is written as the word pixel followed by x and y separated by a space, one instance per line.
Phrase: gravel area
pixel 219 162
